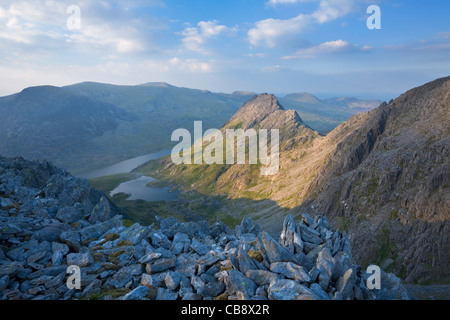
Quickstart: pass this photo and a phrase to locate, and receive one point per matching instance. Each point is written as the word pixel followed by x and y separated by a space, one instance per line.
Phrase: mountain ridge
pixel 379 174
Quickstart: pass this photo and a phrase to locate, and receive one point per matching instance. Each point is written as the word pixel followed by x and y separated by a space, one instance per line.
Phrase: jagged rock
pixel 50 233
pixel 237 282
pixel 325 264
pixel 137 294
pixel 310 235
pixel 192 297
pixel 213 289
pixel 173 280
pixel 160 265
pixel 59 250
pixel 10 269
pixel 245 262
pixel 159 239
pixel 290 238
pixel 275 252
pixel 96 231
pixel 180 243
pixel 291 271
pixel 284 289
pixel 343 263
pixel 101 212
pixel 166 294
pixel 261 277
pixel 69 214
pixel 4 281
pixel 199 247
pixel 345 286
pixel 122 277
pixel 80 259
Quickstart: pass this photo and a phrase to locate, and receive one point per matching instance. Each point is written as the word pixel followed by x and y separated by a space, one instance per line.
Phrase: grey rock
pixel 198 284
pixel 345 286
pixel 186 264
pixel 261 277
pixel 291 271
pixel 160 265
pixel 180 243
pixel 69 214
pixel 80 259
pixel 159 239
pixel 290 238
pixel 325 264
pixel 149 257
pixel 213 289
pixel 4 282
pixel 245 262
pixel 343 263
pixel 101 212
pixel 59 251
pixel 237 282
pixel 173 280
pixel 199 247
pixel 310 235
pixel 317 289
pixel 122 277
pixel 96 231
pixel 166 295
pixel 275 252
pixel 190 296
pixel 72 239
pixel 134 234
pixel 137 294
pixel 284 289
pixel 93 288
pixel 10 269
pixel 149 281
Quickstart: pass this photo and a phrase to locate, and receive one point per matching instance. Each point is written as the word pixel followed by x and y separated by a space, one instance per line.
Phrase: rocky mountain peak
pixel 266 111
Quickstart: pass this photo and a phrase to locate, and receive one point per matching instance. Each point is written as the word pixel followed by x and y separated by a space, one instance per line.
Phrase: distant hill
pixel 325 115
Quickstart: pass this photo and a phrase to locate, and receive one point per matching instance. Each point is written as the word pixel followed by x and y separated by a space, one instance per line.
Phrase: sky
pixel 323 47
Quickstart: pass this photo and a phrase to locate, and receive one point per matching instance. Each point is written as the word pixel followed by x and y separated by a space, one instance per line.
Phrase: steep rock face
pixel 388 180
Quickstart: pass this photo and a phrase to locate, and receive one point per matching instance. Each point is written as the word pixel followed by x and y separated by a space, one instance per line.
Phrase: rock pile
pixel 50 220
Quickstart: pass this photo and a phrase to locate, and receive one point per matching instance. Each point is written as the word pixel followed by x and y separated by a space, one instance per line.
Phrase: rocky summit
pixel 50 221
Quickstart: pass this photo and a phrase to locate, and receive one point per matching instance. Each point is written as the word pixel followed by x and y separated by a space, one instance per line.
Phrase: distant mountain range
pixel 383 176
pixel 89 125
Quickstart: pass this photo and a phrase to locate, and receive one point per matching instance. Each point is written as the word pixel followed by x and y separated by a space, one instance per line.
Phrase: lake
pixel 125 166
pixel 136 189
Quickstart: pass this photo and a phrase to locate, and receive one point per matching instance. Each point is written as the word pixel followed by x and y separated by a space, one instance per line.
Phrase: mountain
pixel 383 176
pixel 91 125
pixel 87 126
pixel 53 123
pixel 388 179
pixel 325 115
pixel 262 112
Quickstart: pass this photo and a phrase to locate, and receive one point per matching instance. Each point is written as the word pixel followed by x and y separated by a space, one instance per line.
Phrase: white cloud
pixel 194 38
pixel 323 48
pixel 269 32
pixel 105 26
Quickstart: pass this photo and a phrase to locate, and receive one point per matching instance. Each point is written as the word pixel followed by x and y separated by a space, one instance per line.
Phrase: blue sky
pixel 280 46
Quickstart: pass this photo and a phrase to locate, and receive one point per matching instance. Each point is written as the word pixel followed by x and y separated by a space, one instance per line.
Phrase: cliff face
pixel 388 180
